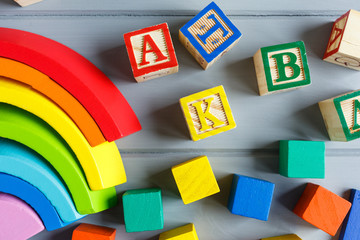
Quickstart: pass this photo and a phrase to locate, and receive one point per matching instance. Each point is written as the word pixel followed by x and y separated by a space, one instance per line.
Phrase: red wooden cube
pixel 151 52
pixel 89 231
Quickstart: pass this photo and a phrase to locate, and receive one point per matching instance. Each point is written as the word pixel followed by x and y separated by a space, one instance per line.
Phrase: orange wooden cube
pixel 88 231
pixel 322 208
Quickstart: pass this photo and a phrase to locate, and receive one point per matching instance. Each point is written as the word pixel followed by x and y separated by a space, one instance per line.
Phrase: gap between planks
pixel 165 13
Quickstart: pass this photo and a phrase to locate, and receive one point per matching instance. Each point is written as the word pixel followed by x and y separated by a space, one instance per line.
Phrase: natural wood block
pixel 143 210
pixel 341 115
pixel 89 231
pixel 251 197
pixel 322 208
pixel 151 52
pixel 195 179
pixel 281 67
pixel 25 3
pixel 351 227
pixel 186 232
pixel 209 35
pixel 344 44
pixel 284 237
pixel 207 113
pixel 302 159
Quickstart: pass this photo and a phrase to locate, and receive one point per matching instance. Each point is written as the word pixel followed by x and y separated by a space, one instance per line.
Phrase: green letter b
pixel 279 58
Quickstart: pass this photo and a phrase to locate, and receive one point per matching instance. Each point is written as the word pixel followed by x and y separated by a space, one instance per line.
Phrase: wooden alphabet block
pixel 143 210
pixel 151 52
pixel 207 113
pixel 195 179
pixel 284 237
pixel 25 3
pixel 209 35
pixel 302 159
pixel 351 227
pixel 281 67
pixel 322 208
pixel 342 116
pixel 251 197
pixel 186 232
pixel 344 44
pixel 89 231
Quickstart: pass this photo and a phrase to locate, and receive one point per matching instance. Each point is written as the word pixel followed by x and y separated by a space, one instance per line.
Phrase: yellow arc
pixel 102 164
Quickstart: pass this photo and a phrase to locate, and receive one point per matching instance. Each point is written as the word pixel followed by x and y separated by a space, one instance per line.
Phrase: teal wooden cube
pixel 302 159
pixel 143 210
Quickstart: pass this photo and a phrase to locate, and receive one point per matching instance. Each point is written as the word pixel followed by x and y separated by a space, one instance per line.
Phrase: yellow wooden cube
pixel 284 237
pixel 207 113
pixel 195 179
pixel 186 232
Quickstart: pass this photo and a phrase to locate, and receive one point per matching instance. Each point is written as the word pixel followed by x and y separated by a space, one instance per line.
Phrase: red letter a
pixel 153 48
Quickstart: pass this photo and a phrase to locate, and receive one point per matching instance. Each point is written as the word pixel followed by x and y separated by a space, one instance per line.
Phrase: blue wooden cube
pixel 251 197
pixel 143 210
pixel 209 35
pixel 351 227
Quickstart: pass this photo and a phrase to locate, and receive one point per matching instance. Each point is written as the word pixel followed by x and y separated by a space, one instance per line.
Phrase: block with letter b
pixel 344 44
pixel 207 113
pixel 281 67
pixel 209 35
pixel 342 116
pixel 151 52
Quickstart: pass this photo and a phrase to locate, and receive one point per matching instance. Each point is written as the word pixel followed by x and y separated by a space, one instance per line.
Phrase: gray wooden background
pixel 95 29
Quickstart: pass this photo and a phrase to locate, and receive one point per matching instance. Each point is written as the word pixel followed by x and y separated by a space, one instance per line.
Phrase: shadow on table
pixel 316 39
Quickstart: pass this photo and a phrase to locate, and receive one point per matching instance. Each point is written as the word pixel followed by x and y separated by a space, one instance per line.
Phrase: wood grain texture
pixel 89 231
pixel 195 179
pixel 322 208
pixel 344 43
pixel 187 232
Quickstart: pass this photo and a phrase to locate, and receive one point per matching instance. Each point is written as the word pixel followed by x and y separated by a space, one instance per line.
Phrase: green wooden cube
pixel 281 67
pixel 143 210
pixel 302 159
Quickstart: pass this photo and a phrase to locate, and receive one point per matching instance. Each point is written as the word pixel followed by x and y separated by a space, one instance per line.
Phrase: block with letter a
pixel 151 52
pixel 207 113
pixel 344 43
pixel 342 116
pixel 209 35
pixel 281 67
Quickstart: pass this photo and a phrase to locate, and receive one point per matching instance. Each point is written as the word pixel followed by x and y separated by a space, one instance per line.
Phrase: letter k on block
pixel 207 113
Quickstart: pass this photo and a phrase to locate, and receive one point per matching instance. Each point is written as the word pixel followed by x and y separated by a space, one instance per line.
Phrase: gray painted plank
pixel 171 7
pixel 211 218
pixel 262 121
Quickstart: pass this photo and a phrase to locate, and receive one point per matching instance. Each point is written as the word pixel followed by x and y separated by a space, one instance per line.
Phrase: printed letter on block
pixel 281 67
pixel 207 113
pixel 209 35
pixel 344 43
pixel 151 52
pixel 342 116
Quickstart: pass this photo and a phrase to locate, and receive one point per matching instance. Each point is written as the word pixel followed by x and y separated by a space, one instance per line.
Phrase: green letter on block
pixel 281 66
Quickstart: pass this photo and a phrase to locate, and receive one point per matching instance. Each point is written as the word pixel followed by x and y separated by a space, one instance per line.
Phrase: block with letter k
pixel 209 35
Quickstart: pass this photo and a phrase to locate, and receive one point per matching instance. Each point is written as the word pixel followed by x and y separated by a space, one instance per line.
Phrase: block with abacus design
pixel 209 35
pixel 207 113
pixel 344 44
pixel 151 52
pixel 342 116
pixel 281 67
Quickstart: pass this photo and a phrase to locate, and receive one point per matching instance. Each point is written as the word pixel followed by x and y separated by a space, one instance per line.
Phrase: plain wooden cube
pixel 250 197
pixel 302 159
pixel 186 232
pixel 351 227
pixel 281 68
pixel 89 231
pixel 195 179
pixel 284 237
pixel 342 116
pixel 143 210
pixel 207 113
pixel 209 35
pixel 322 208
pixel 151 52
pixel 344 44
pixel 25 3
